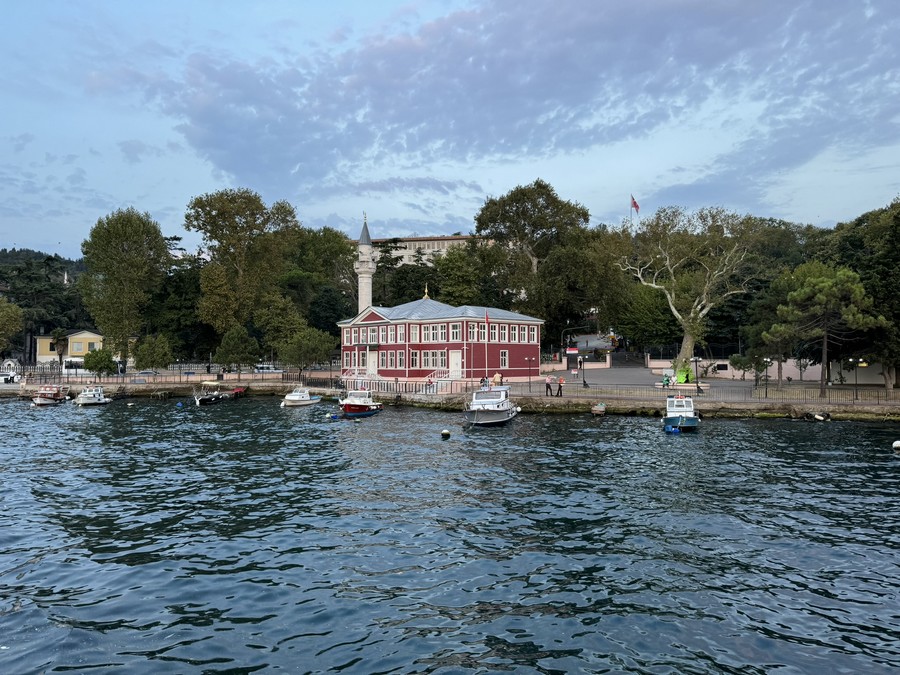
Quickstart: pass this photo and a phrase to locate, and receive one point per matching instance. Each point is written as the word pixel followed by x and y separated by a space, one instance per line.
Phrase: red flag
pixel 486 320
pixel 634 204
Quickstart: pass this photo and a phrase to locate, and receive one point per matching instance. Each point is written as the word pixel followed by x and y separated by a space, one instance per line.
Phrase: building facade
pixel 429 339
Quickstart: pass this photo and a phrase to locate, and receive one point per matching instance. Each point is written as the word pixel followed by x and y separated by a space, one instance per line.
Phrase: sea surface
pixel 159 537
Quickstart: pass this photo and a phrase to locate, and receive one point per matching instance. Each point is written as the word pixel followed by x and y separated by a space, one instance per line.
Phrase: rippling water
pixel 245 537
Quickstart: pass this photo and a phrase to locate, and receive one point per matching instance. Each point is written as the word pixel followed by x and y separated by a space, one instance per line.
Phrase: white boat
pixel 680 414
pixel 50 394
pixel 300 396
pixel 92 395
pixel 598 409
pixel 359 403
pixel 490 407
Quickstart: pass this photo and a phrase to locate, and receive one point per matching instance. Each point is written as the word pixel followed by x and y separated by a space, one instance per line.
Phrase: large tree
pixel 243 239
pixel 11 321
pixel 829 305
pixel 126 259
pixel 696 260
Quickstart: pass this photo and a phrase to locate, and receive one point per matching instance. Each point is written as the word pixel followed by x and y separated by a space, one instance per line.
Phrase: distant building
pixel 407 248
pixel 429 339
pixel 74 344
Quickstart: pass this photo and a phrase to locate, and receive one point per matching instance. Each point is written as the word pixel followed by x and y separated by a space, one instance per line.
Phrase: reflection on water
pixel 245 536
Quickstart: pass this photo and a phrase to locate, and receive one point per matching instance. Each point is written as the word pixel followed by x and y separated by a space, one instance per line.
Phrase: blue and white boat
pixel 680 414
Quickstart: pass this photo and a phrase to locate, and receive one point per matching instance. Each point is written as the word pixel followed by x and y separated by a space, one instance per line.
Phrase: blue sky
pixel 416 112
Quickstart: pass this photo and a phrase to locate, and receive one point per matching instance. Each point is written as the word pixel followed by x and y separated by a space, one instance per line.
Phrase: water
pixel 249 538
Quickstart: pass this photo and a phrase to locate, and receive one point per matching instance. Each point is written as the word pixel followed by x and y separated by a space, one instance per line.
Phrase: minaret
pixel 365 266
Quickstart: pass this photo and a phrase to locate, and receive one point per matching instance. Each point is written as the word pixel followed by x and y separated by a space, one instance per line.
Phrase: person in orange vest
pixel 559 385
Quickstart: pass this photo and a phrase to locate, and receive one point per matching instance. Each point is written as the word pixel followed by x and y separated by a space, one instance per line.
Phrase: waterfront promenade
pixel 630 390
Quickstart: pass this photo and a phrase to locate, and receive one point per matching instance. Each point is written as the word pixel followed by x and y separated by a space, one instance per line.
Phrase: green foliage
pixel 459 273
pixel 278 319
pixel 11 321
pixel 173 312
pixel 306 347
pixel 60 342
pixel 330 306
pixel 238 348
pixel 126 259
pixel 245 243
pixel 100 362
pixel 828 305
pixel 696 260
pixel 153 352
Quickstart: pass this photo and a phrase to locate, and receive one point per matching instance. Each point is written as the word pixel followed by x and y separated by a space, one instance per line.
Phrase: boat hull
pixel 489 418
pixel 45 401
pixel 296 403
pixel 681 422
pixel 354 410
pixel 210 399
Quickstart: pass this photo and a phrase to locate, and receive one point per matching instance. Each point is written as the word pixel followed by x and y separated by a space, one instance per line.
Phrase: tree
pixel 11 321
pixel 306 347
pixel 100 362
pixel 828 306
pixel 126 259
pixel 695 260
pixel 459 274
pixel 153 352
pixel 59 340
pixel 238 348
pixel 243 240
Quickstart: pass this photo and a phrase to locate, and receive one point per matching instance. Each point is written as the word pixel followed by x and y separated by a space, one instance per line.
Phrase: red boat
pixel 359 403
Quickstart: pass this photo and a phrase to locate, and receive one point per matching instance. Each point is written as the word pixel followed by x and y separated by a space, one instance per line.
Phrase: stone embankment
pixel 708 407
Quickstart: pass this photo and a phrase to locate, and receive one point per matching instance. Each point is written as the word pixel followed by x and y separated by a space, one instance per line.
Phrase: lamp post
pixel 529 360
pixel 768 362
pixel 696 360
pixel 856 364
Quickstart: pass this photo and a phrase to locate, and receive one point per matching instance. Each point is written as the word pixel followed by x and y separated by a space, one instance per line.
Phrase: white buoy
pixel 445 434
pixel 897 446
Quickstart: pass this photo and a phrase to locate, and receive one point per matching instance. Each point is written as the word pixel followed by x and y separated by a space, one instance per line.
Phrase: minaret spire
pixel 365 266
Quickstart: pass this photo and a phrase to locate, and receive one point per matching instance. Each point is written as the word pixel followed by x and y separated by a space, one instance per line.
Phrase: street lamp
pixel 696 360
pixel 768 363
pixel 529 360
pixel 858 363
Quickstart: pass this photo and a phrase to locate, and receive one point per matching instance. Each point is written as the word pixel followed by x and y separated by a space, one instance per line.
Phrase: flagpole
pixel 487 336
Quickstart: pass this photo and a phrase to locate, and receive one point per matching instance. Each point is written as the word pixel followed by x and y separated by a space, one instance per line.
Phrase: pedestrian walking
pixel 559 385
pixel 548 386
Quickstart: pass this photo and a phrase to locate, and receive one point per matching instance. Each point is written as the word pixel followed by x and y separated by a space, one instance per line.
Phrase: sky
pixel 415 112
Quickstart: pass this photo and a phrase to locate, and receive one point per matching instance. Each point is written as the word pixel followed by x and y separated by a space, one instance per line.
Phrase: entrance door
pixel 455 364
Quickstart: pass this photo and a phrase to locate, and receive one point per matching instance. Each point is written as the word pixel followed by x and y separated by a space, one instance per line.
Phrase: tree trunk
pixel 824 363
pixel 683 360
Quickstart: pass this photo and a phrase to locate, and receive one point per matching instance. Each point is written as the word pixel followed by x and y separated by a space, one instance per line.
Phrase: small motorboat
pixel 208 396
pixel 680 414
pixel 359 403
pixel 92 395
pixel 50 394
pixel 298 397
pixel 490 407
pixel 598 409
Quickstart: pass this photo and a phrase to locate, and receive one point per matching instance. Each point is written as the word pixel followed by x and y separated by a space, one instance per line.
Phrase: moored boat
pixel 490 407
pixel 680 414
pixel 298 397
pixel 359 403
pixel 598 409
pixel 208 396
pixel 92 395
pixel 50 394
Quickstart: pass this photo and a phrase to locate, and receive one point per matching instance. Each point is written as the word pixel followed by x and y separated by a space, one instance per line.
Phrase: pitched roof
pixel 427 309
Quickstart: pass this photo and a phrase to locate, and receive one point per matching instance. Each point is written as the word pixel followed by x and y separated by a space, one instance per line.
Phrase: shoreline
pixel 529 403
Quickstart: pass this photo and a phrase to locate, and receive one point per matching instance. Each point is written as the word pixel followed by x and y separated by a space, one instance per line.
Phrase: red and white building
pixel 429 339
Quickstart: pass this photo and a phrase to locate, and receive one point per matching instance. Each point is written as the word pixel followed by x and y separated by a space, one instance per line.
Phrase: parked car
pixel 266 368
pixel 9 377
pixel 147 372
